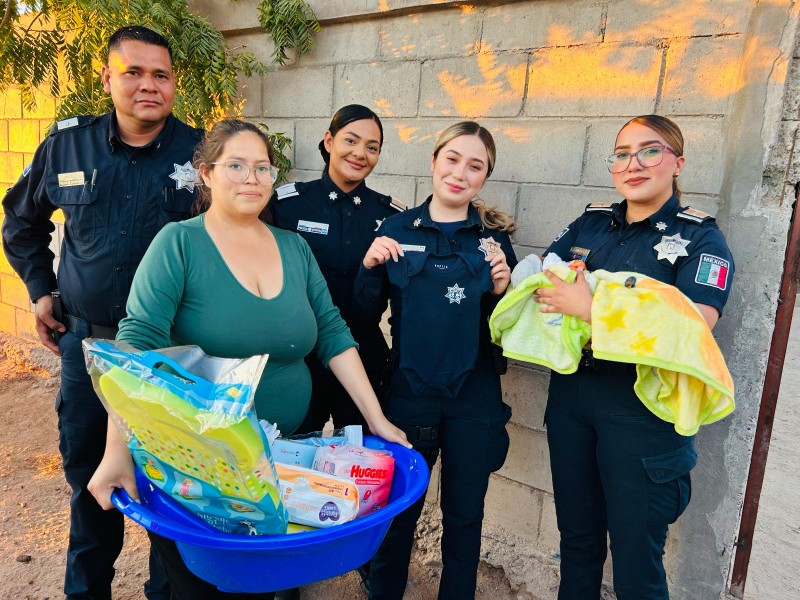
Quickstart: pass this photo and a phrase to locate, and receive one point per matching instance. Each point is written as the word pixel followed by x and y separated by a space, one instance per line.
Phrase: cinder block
pixel 593 80
pixel 10 104
pixel 344 43
pixel 502 196
pixel 540 151
pixel 541 24
pixel 482 85
pixel 402 188
pixel 528 460
pixel 390 89
pixel 23 136
pixel 259 43
pixel 544 211
pixel 249 94
pixel 11 166
pixel 5 266
pixel 303 92
pixel 45 125
pixel 13 292
pixel 25 323
pixel 409 144
pixel 525 390
pixel 239 15
pixel 704 148
pixel 630 20
pixel 513 507
pixel 8 319
pixel 702 76
pixel 284 126
pixel 601 138
pixel 549 536
pixel 308 134
pixel 424 189
pixel 453 32
pixel 3 135
pixel 709 204
pixel 45 107
pixel 792 100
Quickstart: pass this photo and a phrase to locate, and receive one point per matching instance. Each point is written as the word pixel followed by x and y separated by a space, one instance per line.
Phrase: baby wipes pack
pixel 189 423
pixel 371 471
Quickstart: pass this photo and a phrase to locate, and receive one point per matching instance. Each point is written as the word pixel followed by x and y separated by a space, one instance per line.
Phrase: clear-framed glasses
pixel 238 172
pixel 651 156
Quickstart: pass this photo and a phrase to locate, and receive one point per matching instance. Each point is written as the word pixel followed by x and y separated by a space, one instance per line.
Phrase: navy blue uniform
pixel 339 227
pixel 468 428
pixel 617 468
pixel 114 198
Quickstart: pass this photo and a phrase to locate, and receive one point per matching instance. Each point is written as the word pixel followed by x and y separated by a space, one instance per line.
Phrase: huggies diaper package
pixel 371 471
pixel 316 499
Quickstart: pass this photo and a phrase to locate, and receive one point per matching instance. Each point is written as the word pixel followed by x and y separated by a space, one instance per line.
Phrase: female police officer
pixel 444 266
pixel 338 216
pixel 616 467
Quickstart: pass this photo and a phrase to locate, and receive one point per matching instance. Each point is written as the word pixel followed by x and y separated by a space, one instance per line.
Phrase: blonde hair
pixel 666 129
pixel 490 216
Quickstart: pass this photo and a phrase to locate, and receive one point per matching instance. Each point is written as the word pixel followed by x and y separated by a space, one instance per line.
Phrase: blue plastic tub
pixel 236 563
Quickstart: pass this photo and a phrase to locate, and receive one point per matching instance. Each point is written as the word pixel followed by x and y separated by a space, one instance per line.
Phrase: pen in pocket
pixel 94 178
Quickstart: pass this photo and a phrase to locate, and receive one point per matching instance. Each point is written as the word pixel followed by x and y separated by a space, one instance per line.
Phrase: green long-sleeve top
pixel 183 293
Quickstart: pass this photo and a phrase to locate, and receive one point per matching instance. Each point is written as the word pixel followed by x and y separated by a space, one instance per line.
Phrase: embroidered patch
pixel 185 176
pixel 27 169
pixel 672 247
pixel 578 253
pixel 712 271
pixel 692 214
pixel 397 205
pixel 72 179
pixel 287 191
pixel 312 227
pixel 489 247
pixel 455 294
pixel 562 234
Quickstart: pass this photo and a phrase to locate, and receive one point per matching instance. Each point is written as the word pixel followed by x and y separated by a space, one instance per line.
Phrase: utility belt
pixel 78 326
pixel 589 363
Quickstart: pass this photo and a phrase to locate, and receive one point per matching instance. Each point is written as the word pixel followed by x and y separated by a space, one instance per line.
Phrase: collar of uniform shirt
pixel 473 218
pixel 115 141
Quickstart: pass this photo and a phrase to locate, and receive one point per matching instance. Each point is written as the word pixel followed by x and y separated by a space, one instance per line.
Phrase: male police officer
pixel 117 178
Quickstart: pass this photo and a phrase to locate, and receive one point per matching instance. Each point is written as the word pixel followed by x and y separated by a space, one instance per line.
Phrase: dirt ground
pixel 34 502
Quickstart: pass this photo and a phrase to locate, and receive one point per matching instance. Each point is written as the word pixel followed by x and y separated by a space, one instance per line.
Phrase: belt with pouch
pixel 589 363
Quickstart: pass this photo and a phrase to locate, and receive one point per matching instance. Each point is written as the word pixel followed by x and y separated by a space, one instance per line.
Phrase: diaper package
pixel 371 470
pixel 300 449
pixel 316 499
pixel 189 423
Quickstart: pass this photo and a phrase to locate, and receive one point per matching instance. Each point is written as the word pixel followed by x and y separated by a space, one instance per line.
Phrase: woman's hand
pixel 574 299
pixel 501 273
pixel 114 471
pixel 382 249
pixel 384 429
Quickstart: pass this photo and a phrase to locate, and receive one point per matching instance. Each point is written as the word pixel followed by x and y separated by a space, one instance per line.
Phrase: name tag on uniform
pixel 71 179
pixel 412 248
pixel 312 227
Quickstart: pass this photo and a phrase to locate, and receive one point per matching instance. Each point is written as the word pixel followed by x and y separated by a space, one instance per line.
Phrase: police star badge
pixel 455 294
pixel 417 222
pixel 489 247
pixel 672 247
pixel 185 176
pixel 661 226
pixel 356 200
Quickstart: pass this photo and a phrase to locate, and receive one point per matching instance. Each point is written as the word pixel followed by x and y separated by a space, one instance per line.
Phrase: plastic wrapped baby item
pixel 317 499
pixel 371 470
pixel 188 420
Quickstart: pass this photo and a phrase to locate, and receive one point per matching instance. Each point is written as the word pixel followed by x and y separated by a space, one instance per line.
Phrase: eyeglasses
pixel 647 157
pixel 238 172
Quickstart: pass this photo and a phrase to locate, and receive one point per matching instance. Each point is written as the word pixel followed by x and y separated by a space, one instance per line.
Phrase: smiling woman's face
pixel 459 171
pixel 354 150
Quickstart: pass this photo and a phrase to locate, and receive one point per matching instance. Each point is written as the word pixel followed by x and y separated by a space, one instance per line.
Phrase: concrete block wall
pixel 20 133
pixel 554 80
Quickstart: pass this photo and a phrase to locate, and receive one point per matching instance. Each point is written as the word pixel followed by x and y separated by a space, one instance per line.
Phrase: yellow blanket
pixel 681 373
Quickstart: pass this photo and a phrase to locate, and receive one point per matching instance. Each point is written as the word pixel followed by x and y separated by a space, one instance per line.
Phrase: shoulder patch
pixel 397 205
pixel 287 190
pixel 606 207
pixel 694 215
pixel 67 123
pixel 71 123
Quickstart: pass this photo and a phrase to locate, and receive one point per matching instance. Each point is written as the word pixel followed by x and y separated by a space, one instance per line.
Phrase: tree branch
pixel 7 16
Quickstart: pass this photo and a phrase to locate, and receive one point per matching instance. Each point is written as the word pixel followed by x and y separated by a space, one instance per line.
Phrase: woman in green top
pixel 236 287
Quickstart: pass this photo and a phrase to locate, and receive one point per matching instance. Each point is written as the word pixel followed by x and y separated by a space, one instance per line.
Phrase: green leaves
pixel 60 49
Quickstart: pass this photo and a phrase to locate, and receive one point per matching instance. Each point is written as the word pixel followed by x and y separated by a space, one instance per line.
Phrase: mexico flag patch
pixel 712 271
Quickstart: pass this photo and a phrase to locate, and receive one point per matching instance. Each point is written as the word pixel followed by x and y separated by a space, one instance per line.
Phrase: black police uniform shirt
pixel 114 198
pixel 675 245
pixel 416 231
pixel 339 227
pixel 443 294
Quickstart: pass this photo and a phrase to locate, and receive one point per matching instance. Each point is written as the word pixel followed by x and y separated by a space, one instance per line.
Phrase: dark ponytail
pixel 343 117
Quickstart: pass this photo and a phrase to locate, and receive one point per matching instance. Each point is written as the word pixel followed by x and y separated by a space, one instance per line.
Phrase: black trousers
pixel 619 472
pixel 95 535
pixel 470 433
